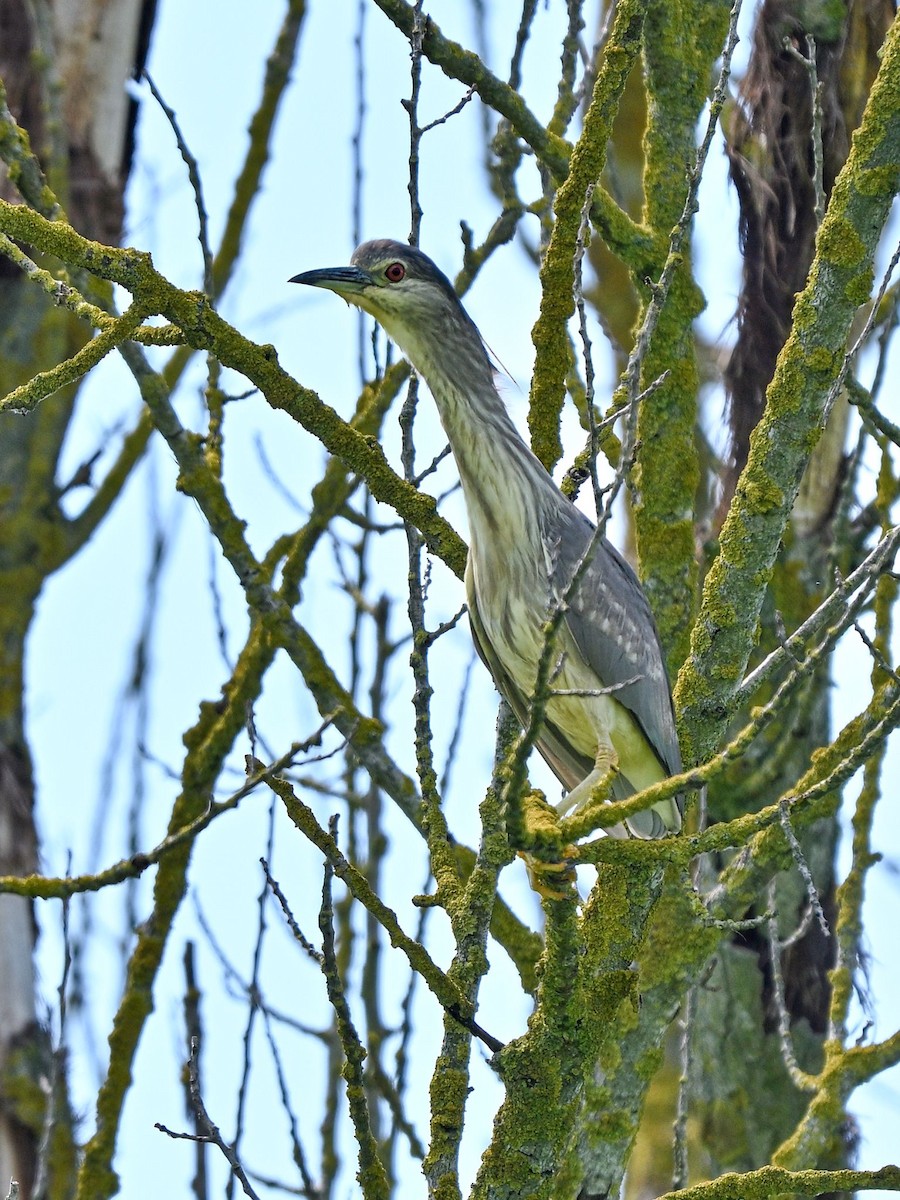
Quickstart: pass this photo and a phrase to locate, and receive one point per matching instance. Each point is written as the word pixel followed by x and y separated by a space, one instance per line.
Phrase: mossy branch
pixel 205 330
pixel 808 368
pixel 677 79
pixel 549 334
pixel 831 767
pixel 841 606
pixel 44 887
pixel 444 990
pixel 208 743
pixel 371 1175
pixel 471 916
pixel 23 167
pixel 636 246
pixel 246 188
pixel 773 1181
pixel 28 395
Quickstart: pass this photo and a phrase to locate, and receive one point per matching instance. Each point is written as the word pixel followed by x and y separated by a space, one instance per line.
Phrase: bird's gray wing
pixel 567 765
pixel 612 625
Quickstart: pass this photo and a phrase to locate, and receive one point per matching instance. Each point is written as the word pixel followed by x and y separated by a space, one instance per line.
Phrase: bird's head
pixel 410 298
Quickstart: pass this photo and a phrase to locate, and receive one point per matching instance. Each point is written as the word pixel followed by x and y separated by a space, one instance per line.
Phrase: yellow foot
pixel 551 880
pixel 550 861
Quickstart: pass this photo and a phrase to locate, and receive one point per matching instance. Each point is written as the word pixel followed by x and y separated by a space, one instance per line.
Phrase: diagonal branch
pixel 808 367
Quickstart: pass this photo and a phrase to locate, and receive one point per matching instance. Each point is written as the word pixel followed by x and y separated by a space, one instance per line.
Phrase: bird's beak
pixel 346 281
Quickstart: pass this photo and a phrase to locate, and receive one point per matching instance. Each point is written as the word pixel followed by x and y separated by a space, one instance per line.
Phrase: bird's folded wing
pixel 567 764
pixel 612 625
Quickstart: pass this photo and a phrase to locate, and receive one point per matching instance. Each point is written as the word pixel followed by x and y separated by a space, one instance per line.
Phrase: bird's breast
pixel 514 602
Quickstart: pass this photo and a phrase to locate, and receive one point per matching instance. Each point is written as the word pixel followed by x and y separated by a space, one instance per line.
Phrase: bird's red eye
pixel 395 272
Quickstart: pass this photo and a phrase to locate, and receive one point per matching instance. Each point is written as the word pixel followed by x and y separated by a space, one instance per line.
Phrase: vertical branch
pixel 372 984
pixel 55 1143
pixel 470 918
pixel 331 1106
pixel 357 144
pixel 415 133
pixel 435 823
pixel 262 123
pixel 567 97
pixel 194 1030
pixel 253 993
pixel 849 924
pixel 543 1072
pixel 309 1188
pixel 371 1174
pixel 677 79
pixel 452 1063
pixel 680 1172
pixel 549 335
pixel 800 1078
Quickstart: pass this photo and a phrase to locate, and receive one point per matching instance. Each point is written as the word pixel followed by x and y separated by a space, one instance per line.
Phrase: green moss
pixel 823 359
pixel 553 351
pixel 720 615
pixel 762 493
pixel 877 181
pixel 449 1085
pixel 859 288
pixel 781 445
pixel 840 244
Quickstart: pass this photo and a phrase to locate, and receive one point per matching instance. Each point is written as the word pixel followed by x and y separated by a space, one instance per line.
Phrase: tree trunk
pixel 64 66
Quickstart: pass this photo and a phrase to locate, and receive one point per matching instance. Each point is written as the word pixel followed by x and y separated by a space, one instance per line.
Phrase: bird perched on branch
pixel 607 716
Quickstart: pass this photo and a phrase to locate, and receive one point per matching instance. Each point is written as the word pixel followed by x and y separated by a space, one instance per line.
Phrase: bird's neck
pixel 503 482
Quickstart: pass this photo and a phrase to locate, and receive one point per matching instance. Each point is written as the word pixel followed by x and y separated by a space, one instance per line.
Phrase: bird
pixel 608 717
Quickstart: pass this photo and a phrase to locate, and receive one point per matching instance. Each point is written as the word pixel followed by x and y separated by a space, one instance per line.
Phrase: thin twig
pixel 196 186
pixel 443 988
pixel 193 1025
pixel 456 735
pixel 784 817
pixel 808 62
pixel 835 606
pixel 801 1080
pixel 295 929
pixel 679 1127
pixel 253 995
pixel 309 1188
pixel 210 1131
pixel 587 356
pixel 371 1174
pixel 877 654
pixel 57 1065
pixel 454 111
pixel 356 142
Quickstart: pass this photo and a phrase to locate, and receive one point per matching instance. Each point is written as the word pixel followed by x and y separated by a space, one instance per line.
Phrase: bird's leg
pixel 596 786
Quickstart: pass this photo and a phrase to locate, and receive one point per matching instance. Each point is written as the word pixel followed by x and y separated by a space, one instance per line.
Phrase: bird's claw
pixel 552 880
pixel 549 860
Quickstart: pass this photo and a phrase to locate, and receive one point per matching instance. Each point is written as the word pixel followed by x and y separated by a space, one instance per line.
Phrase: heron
pixel 608 726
